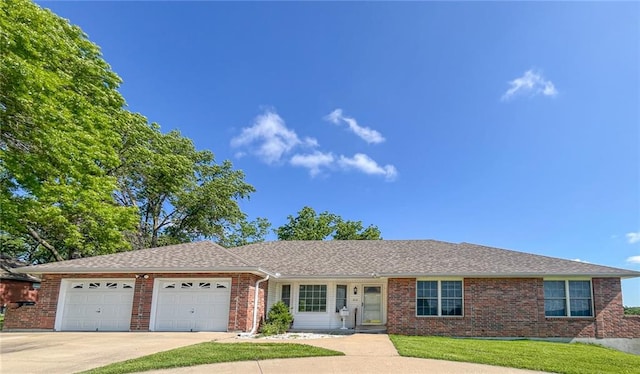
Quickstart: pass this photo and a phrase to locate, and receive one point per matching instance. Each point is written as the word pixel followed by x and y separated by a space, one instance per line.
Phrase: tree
pixel 308 225
pixel 181 193
pixel 246 232
pixel 58 102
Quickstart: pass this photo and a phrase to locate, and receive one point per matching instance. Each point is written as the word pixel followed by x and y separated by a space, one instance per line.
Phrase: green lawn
pixel 211 353
pixel 525 354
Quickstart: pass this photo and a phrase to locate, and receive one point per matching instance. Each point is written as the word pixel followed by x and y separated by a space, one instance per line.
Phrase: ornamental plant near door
pixel 278 319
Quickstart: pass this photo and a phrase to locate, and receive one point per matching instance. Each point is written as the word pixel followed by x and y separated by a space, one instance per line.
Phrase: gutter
pixel 256 294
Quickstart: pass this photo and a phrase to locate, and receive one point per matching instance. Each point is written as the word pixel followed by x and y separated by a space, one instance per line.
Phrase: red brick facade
pixel 15 290
pixel 42 315
pixel 493 307
pixel 510 307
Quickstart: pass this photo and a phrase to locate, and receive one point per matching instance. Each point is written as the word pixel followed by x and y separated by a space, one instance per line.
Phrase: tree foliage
pixel 632 310
pixel 180 192
pixel 58 101
pixel 79 174
pixel 308 225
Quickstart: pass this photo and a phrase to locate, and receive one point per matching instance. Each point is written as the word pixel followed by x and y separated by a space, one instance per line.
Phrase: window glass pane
pixel 313 298
pixel 427 289
pixel 581 289
pixel 285 295
pixel 427 307
pixel 451 289
pixel 554 289
pixel 554 307
pixel 580 307
pixel 451 307
pixel 341 296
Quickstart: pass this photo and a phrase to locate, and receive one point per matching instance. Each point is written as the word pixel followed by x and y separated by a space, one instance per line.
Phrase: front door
pixel 372 305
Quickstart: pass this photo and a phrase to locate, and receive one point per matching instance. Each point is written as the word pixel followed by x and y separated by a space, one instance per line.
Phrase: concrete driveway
pixel 67 352
pixel 70 352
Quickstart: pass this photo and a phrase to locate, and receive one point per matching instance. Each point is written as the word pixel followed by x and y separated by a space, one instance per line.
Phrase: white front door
pixel 372 305
pixel 192 304
pixel 96 305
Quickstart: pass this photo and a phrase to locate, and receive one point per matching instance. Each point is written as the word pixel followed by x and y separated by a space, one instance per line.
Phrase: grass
pixel 574 358
pixel 211 353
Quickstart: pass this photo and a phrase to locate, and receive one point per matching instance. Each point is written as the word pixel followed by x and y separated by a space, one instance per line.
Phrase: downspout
pixel 254 328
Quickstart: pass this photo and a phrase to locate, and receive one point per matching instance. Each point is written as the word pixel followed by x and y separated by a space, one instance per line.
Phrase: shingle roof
pixel 197 256
pixel 337 258
pixel 8 265
pixel 351 258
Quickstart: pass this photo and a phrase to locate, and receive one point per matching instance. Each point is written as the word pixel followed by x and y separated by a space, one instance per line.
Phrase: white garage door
pixel 97 305
pixel 192 304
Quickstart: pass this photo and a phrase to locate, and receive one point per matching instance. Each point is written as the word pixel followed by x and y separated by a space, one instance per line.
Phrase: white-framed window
pixel 285 294
pixel 439 298
pixel 312 298
pixel 341 297
pixel 568 298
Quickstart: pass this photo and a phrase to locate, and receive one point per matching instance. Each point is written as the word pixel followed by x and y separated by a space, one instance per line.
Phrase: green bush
pixel 278 319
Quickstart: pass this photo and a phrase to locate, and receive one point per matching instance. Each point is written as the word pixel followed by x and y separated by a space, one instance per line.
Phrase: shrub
pixel 278 319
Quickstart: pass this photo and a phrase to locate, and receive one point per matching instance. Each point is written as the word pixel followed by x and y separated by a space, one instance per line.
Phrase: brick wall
pixel 43 314
pixel 39 316
pixel 14 290
pixel 510 307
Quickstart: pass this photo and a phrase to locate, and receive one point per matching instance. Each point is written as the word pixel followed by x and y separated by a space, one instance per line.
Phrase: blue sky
pixel 514 125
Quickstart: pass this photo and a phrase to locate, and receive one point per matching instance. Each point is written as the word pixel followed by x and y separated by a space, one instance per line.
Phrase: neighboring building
pixel 420 287
pixel 14 286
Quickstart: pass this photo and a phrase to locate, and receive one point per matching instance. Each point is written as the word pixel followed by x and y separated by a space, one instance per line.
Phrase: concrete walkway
pixel 364 353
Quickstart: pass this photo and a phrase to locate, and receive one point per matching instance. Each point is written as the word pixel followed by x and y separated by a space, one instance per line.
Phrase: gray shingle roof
pixel 409 257
pixel 198 256
pixel 8 265
pixel 348 258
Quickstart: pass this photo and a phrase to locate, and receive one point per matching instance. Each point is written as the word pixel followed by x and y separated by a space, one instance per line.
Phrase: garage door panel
pixel 97 305
pixel 191 305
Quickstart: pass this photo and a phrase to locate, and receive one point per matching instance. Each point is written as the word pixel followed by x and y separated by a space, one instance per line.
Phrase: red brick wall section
pixel 510 307
pixel 13 290
pixel 39 316
pixel 42 315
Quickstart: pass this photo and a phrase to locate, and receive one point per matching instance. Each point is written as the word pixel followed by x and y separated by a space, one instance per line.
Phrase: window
pixel 577 304
pixel 313 298
pixel 439 298
pixel 285 294
pixel 341 296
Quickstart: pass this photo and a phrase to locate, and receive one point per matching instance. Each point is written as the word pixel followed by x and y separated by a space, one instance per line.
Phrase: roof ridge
pixel 246 262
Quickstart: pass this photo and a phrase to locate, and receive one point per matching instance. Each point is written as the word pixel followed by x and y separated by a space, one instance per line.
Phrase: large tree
pixel 181 193
pixel 308 225
pixel 59 107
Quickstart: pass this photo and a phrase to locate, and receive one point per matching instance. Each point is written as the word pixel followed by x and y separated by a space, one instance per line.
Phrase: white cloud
pixel 634 259
pixel 579 260
pixel 314 161
pixel 633 237
pixel 367 165
pixel 365 133
pixel 269 138
pixel 531 83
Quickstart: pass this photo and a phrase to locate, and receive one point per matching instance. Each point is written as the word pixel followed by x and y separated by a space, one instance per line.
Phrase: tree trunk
pixel 45 244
